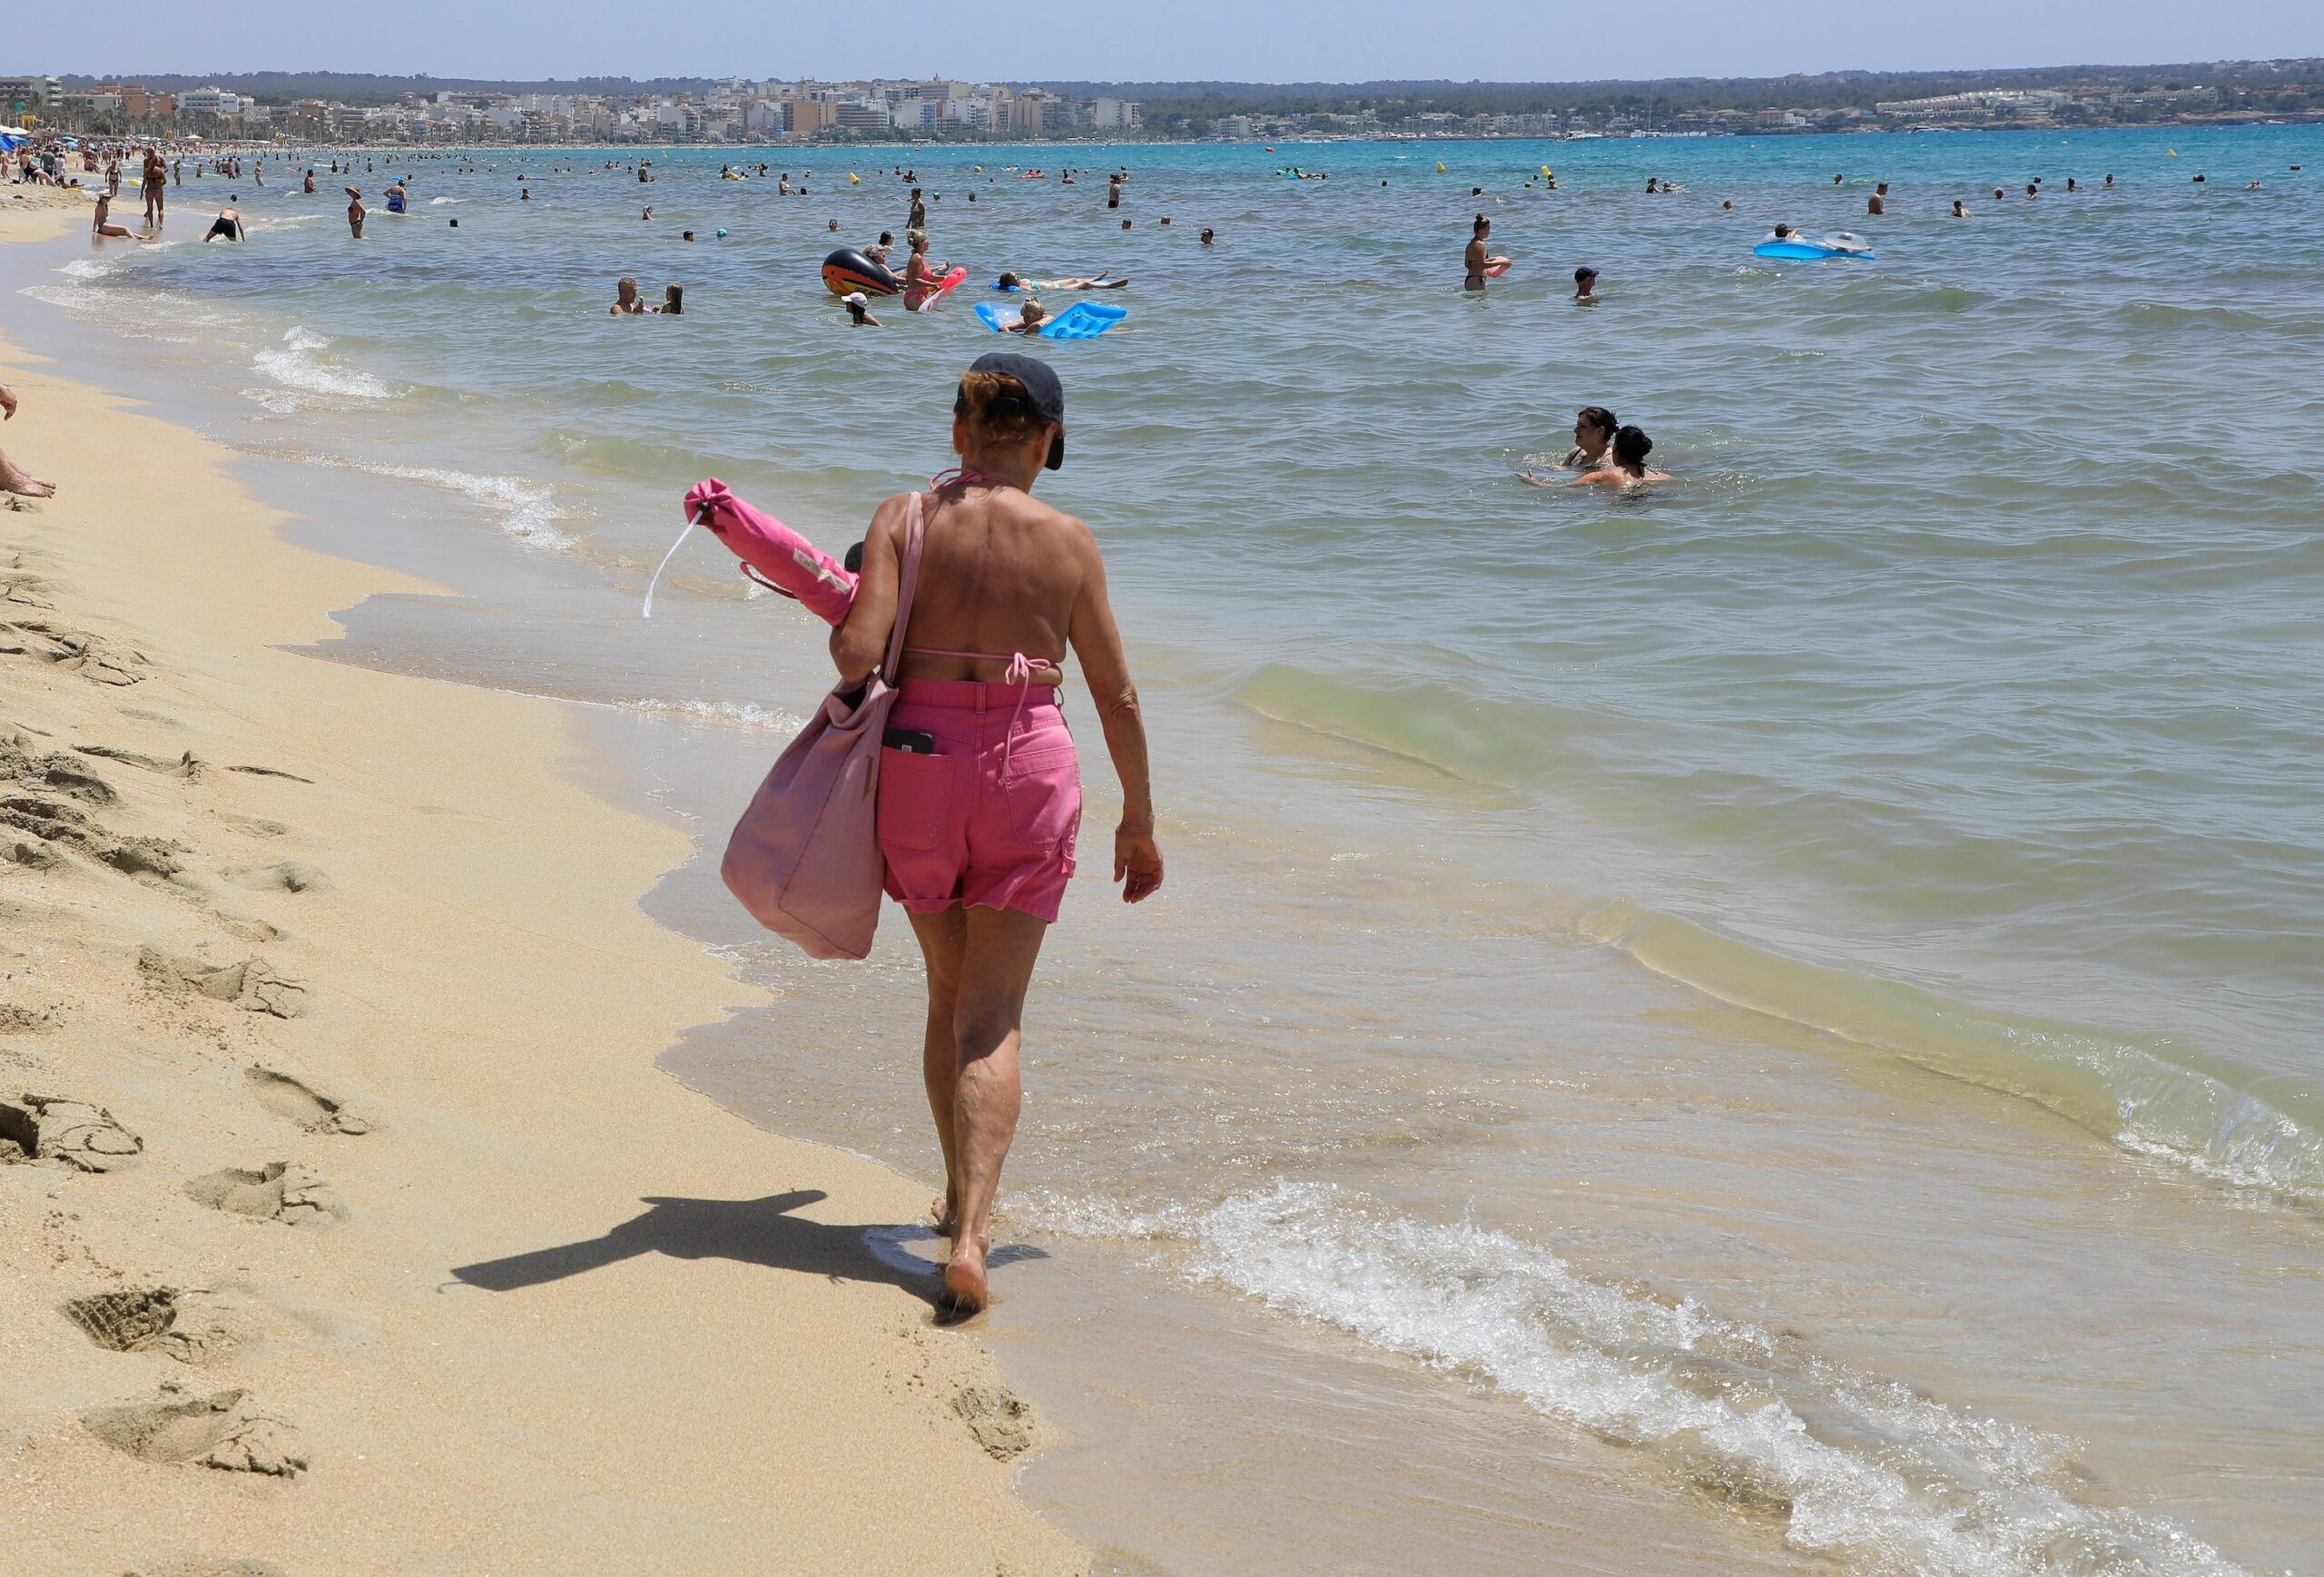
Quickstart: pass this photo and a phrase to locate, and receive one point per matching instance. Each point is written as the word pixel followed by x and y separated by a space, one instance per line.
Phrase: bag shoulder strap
pixel 907 583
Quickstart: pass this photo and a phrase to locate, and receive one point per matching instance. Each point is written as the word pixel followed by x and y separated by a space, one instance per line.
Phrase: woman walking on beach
pixel 979 797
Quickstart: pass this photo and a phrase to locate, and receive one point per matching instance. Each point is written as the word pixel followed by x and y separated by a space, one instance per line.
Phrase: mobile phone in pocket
pixel 910 741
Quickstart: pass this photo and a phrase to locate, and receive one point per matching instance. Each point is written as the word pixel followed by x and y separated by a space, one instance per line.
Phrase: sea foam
pixel 1860 1469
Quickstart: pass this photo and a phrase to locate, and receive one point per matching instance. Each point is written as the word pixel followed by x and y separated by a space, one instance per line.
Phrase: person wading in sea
pixel 980 795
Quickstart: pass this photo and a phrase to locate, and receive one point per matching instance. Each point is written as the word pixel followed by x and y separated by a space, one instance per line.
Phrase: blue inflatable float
pixel 1081 321
pixel 1799 250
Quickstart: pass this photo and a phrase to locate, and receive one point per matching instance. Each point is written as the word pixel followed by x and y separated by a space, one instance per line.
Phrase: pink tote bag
pixel 804 859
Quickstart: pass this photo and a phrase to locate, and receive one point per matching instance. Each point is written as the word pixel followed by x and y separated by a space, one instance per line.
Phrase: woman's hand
pixel 1137 863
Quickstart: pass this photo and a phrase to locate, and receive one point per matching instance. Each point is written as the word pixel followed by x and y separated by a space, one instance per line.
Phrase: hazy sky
pixel 1246 40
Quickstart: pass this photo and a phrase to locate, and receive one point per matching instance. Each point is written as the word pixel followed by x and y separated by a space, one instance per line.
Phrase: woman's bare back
pixel 1000 572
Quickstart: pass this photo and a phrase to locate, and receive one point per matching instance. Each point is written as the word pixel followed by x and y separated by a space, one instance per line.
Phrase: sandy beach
pixel 361 1233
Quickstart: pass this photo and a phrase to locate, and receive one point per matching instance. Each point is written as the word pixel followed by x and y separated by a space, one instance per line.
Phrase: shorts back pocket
pixel 915 798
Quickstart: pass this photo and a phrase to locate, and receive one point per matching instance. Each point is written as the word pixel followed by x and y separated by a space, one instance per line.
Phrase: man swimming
pixel 626 302
pixel 1585 286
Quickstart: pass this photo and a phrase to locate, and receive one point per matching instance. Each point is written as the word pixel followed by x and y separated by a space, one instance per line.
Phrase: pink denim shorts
pixel 991 818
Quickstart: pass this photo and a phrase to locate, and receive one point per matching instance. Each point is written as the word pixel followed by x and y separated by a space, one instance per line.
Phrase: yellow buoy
pixel 1440 166
pixel 854 180
pixel 2172 151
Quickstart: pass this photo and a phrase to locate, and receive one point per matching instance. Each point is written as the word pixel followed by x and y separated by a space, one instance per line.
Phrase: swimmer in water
pixel 1593 436
pixel 227 226
pixel 1030 317
pixel 354 212
pixel 921 278
pixel 859 310
pixel 1475 258
pixel 878 254
pixel 626 303
pixel 1209 235
pixel 1631 447
pixel 1877 203
pixel 1010 281
pixel 1959 210
pixel 1585 286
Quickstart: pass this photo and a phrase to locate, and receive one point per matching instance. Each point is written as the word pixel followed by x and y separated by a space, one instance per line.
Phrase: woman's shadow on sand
pixel 750 1231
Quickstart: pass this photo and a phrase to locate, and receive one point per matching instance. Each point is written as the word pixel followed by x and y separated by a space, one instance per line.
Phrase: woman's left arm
pixel 860 641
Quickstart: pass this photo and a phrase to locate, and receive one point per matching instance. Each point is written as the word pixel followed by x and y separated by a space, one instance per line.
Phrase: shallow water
pixel 1787 1005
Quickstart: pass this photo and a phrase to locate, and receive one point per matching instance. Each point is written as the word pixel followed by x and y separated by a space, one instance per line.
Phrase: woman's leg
pixel 1003 945
pixel 943 938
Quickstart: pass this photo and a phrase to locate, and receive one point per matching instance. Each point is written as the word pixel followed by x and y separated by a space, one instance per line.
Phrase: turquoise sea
pixel 1773 1022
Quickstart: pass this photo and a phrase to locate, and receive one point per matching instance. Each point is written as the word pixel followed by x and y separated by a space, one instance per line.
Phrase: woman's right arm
pixel 1098 644
pixel 860 641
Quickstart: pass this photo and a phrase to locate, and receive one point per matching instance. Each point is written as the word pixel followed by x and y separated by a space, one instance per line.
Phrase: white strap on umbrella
pixel 685 532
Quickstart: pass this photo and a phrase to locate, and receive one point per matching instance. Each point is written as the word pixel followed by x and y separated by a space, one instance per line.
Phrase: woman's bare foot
pixel 15 478
pixel 940 1215
pixel 964 1284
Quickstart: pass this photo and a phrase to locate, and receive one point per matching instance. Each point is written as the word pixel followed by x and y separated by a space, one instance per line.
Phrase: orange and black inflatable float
pixel 848 269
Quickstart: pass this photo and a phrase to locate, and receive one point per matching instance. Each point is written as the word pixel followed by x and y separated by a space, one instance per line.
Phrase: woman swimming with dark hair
pixel 1630 448
pixel 1593 440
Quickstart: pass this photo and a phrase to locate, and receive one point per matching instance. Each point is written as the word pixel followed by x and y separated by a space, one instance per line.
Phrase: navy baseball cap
pixel 1044 393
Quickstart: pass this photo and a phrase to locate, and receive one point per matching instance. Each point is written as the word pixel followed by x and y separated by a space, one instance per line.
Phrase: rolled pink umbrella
pixel 773 554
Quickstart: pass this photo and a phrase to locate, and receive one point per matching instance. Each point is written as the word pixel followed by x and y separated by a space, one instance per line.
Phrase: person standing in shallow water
pixel 980 795
pixel 1476 260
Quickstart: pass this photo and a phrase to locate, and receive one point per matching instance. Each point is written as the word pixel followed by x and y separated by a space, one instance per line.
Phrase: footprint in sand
pixel 16 1019
pixel 278 1191
pixel 270 772
pixel 251 984
pixel 74 1133
pixel 294 1099
pixel 22 589
pixel 188 766
pixel 55 822
pixel 999 1419
pixel 57 772
pixel 284 876
pixel 222 1430
pixel 162 1319
pixel 77 651
pixel 203 1566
